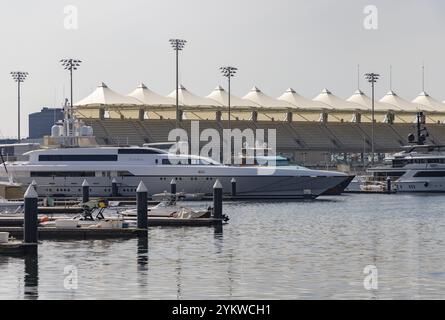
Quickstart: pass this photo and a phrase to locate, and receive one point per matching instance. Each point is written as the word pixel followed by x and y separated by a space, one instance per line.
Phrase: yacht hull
pixel 248 187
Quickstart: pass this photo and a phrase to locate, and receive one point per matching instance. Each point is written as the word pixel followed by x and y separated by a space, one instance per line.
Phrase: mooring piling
pixel 217 200
pixel 142 210
pixel 85 191
pixel 173 186
pixel 388 185
pixel 114 189
pixel 233 182
pixel 30 218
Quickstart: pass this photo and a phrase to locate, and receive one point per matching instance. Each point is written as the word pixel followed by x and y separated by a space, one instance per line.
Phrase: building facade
pixel 40 123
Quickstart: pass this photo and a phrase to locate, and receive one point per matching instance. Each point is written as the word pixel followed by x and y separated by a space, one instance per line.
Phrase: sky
pixel 275 44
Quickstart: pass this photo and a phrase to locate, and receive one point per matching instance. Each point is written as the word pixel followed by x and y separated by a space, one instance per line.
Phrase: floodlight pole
pixel 373 125
pixel 18 111
pixel 19 77
pixel 230 117
pixel 71 65
pixel 177 88
pixel 71 87
pixel 177 45
pixel 229 72
pixel 372 78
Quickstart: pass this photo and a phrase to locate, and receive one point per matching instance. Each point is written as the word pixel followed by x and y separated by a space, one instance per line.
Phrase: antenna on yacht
pixel 422 132
pixel 423 77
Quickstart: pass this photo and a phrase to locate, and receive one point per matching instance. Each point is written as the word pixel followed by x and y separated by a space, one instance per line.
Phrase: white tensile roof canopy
pixel 222 97
pixel 399 103
pixel 188 99
pixel 359 97
pixel 335 102
pixel 151 98
pixel 428 103
pixel 105 96
pixel 298 101
pixel 257 96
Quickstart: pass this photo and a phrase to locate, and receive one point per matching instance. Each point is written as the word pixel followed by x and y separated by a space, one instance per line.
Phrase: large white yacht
pixel 70 157
pixel 61 171
pixel 419 168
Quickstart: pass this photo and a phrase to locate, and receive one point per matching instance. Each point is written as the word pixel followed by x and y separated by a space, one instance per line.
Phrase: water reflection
pixel 31 280
pixel 306 250
pixel 142 261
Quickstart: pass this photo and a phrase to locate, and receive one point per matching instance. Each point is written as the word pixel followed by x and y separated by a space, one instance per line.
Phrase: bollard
pixel 173 186
pixel 217 200
pixel 30 223
pixel 114 190
pixel 233 182
pixel 85 191
pixel 388 185
pixel 141 200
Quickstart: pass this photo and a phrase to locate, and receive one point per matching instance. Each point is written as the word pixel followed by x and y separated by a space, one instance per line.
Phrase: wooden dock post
pixel 217 200
pixel 30 223
pixel 388 185
pixel 233 182
pixel 173 186
pixel 85 191
pixel 114 189
pixel 142 210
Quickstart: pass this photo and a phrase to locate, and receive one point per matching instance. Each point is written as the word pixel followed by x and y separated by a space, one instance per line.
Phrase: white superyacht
pixel 70 157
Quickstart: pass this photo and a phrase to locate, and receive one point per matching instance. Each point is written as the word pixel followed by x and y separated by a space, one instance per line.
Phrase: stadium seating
pixel 291 136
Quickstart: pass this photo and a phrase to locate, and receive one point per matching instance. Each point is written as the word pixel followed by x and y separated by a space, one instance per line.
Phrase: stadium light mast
pixel 372 78
pixel 71 65
pixel 229 72
pixel 178 45
pixel 19 77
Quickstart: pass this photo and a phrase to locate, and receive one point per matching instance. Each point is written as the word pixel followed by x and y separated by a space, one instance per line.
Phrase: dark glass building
pixel 40 123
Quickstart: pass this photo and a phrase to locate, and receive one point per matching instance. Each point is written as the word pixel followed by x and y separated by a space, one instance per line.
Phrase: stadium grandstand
pixel 309 131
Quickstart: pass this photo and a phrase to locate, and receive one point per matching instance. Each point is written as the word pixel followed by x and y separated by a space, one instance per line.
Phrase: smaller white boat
pixel 181 196
pixel 373 186
pixel 7 206
pixel 169 208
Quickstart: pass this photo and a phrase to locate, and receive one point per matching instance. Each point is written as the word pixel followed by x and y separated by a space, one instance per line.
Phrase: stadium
pixel 320 132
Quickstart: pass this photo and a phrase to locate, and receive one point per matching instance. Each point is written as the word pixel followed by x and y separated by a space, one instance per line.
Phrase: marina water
pixel 269 250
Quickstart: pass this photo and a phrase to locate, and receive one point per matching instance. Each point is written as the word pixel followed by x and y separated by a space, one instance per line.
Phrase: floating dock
pixel 45 233
pixel 10 221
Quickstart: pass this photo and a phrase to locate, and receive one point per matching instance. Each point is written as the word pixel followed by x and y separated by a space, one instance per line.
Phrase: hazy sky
pixel 307 45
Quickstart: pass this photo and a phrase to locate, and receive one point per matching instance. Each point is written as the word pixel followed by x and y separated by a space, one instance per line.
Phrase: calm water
pixel 297 250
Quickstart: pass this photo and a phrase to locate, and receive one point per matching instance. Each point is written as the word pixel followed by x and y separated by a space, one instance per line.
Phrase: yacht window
pixel 166 162
pixel 78 157
pixel 138 151
pixel 430 174
pixel 63 174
